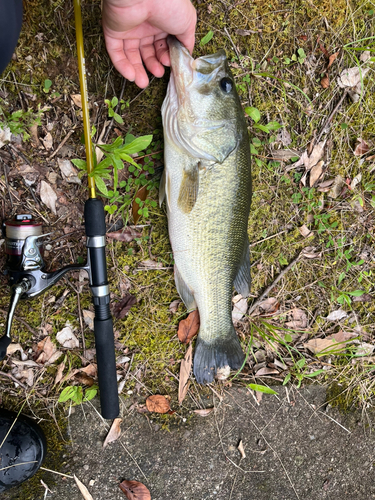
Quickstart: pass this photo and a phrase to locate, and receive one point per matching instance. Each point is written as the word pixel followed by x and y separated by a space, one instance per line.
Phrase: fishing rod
pixel 26 268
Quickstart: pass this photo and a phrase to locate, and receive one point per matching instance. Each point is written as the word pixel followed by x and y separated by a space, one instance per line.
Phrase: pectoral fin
pixel 242 281
pixel 189 189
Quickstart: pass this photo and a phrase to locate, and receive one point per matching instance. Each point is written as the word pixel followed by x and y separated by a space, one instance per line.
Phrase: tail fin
pixel 209 357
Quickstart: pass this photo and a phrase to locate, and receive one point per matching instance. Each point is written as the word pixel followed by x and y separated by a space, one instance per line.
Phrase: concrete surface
pixel 296 446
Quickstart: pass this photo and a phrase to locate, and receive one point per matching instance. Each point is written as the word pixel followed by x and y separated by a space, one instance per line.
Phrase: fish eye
pixel 226 85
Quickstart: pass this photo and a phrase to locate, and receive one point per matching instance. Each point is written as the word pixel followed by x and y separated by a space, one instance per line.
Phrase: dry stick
pixel 329 119
pixel 269 288
pixel 9 375
pixel 7 183
pixel 62 142
pixel 268 238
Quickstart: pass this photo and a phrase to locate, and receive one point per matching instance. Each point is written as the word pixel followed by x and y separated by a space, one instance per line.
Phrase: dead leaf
pixel 356 180
pixel 12 348
pixel 361 148
pixel 266 371
pixel 157 404
pixel 185 369
pixel 127 234
pixel 88 318
pixel 310 160
pixel 365 56
pixel 60 372
pixel 68 172
pixel 332 59
pixel 5 136
pixel 189 327
pixel 82 488
pixel 337 186
pixel 365 349
pixel 285 154
pixel 114 432
pixel 223 372
pixel 297 320
pixel 77 100
pixel 311 253
pixel 204 412
pixel 90 370
pixel 324 82
pixel 173 306
pixel 366 297
pixel 325 185
pixel 316 172
pixel 351 77
pixel 319 345
pixel 337 315
pixel 135 490
pixel 342 336
pixel 305 231
pixel 48 196
pixel 27 362
pixel 239 308
pixel 284 137
pixel 142 195
pixel 84 379
pixel 269 306
pixel 241 449
pixel 67 339
pixel 121 309
pixel 48 141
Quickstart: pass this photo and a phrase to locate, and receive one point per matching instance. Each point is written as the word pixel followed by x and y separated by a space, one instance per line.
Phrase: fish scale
pixel 207 226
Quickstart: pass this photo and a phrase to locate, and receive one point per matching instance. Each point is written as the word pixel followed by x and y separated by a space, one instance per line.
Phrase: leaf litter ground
pixel 311 226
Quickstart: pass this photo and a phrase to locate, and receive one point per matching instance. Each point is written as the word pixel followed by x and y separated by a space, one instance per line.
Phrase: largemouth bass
pixel 207 186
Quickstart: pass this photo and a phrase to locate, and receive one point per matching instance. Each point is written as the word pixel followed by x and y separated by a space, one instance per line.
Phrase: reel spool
pixel 15 232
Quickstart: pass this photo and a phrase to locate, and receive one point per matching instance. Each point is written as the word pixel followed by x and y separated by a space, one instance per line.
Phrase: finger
pixel 115 49
pixel 149 57
pixel 133 54
pixel 162 50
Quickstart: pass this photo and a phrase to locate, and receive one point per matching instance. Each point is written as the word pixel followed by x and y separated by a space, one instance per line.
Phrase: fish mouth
pixel 187 71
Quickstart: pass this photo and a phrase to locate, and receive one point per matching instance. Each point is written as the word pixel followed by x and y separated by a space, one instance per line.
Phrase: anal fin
pixel 242 282
pixel 184 291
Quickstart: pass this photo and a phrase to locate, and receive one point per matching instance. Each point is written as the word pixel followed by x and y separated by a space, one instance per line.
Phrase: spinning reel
pixel 25 266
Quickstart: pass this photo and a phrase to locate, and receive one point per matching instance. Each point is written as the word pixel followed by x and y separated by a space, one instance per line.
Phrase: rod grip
pixel 105 356
pixel 4 342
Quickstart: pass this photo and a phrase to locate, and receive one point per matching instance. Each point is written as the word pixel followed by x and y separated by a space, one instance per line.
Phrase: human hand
pixel 136 31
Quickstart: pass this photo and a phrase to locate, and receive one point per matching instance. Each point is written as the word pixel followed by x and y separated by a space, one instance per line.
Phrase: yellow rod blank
pixel 84 96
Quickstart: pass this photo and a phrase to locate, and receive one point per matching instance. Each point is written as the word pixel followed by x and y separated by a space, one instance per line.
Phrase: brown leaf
pixel 189 327
pixel 151 264
pixel 305 231
pixel 158 404
pixel 173 306
pixel 185 369
pixel 269 306
pixel 60 372
pixel 121 309
pixel 331 59
pixel 135 490
pixel 77 100
pixel 204 412
pixel 297 320
pixel 266 371
pixel 127 234
pixel 84 379
pixel 366 297
pixel 324 82
pixel 361 148
pixel 321 346
pixel 48 196
pixel 114 432
pixel 316 172
pixel 351 77
pixel 91 370
pixel 285 154
pixel 142 195
pixel 337 187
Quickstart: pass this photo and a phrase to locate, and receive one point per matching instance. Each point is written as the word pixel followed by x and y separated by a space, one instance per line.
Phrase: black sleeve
pixel 10 28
